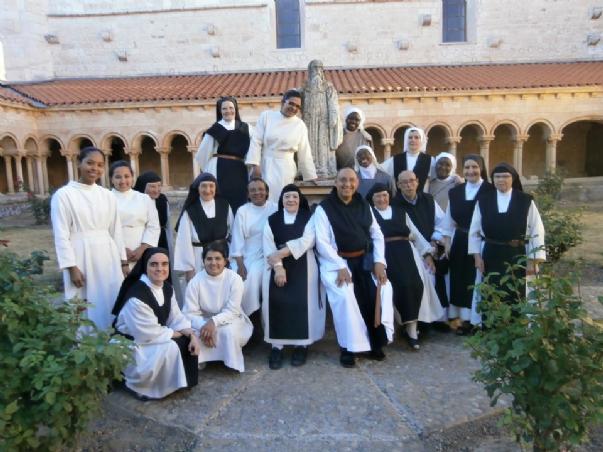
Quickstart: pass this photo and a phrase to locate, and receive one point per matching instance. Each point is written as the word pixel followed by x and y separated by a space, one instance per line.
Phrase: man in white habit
pixel 246 246
pixel 278 136
pixel 351 252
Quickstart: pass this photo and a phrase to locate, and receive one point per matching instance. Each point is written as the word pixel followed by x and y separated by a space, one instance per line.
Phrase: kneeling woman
pixel 293 311
pixel 404 245
pixel 165 345
pixel 213 304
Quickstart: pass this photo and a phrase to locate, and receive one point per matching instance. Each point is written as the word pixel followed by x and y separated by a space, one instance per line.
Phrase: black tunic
pixel 504 227
pixel 288 305
pixel 209 229
pixel 231 173
pixel 401 267
pixel 421 169
pixel 462 265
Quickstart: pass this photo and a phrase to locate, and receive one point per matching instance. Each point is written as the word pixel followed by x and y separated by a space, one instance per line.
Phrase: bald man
pixel 351 253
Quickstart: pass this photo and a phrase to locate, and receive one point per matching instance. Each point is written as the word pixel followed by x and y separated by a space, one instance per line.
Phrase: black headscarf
pixel 161 202
pixel 377 188
pixel 506 168
pixel 303 202
pixel 193 192
pixel 480 161
pixel 134 276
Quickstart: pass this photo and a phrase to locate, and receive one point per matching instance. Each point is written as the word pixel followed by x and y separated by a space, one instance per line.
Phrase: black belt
pixel 515 243
pixel 200 244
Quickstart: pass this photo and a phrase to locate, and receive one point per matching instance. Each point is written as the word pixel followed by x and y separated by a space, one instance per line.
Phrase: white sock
pixel 277 346
pixel 411 330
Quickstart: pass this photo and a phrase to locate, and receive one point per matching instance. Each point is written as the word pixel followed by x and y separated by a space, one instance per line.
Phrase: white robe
pixel 186 256
pixel 157 369
pixel 218 298
pixel 139 219
pixel 247 233
pixel 316 314
pixel 349 324
pixel 87 234
pixel 275 142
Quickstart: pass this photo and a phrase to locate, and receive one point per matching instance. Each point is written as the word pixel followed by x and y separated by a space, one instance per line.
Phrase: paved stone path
pixel 390 405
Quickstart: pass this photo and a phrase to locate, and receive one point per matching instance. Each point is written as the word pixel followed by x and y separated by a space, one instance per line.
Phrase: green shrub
pixel 40 207
pixel 546 354
pixel 53 376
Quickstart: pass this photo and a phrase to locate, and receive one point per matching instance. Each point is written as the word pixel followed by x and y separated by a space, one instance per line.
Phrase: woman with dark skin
pixel 354 135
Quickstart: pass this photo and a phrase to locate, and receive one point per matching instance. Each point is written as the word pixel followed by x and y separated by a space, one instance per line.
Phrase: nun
pixel 354 135
pixel 165 346
pixel 413 157
pixel 149 183
pixel 293 310
pixel 370 172
pixel 445 178
pixel 505 227
pixel 205 217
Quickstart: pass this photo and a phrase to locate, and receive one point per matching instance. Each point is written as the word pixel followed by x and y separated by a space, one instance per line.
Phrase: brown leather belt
pixel 515 243
pixel 229 157
pixel 348 254
pixel 395 238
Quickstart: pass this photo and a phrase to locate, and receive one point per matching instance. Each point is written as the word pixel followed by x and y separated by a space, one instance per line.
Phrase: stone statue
pixel 321 115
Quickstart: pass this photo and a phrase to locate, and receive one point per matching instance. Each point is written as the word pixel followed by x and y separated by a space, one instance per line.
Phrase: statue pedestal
pixel 315 191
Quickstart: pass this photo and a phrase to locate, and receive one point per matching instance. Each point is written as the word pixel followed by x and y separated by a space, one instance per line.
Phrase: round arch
pixel 578 153
pixel 377 133
pixel 542 121
pixel 481 129
pixel 534 149
pixel 513 126
pixel 76 142
pixel 140 136
pixel 108 138
pixel 441 124
pixel 437 135
pixel 169 137
pixel 30 144
pixel 471 133
pixel 10 143
pixel 44 141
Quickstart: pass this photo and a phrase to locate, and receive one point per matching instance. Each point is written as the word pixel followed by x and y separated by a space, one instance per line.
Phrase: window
pixel 288 24
pixel 454 20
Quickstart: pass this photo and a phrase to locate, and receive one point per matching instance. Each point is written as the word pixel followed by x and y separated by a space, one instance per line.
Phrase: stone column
pixel 453 142
pixel 387 147
pixel 484 149
pixel 551 151
pixel 20 180
pixel 196 167
pixel 30 174
pixel 69 168
pixel 165 166
pixel 76 174
pixel 518 153
pixel 41 188
pixel 45 172
pixel 106 180
pixel 10 186
pixel 134 154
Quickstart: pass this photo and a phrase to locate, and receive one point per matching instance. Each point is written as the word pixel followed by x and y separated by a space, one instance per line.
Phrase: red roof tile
pixel 10 95
pixel 347 81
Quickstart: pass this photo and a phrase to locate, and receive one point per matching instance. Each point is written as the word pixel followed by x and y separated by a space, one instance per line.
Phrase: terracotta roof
pixel 347 81
pixel 10 95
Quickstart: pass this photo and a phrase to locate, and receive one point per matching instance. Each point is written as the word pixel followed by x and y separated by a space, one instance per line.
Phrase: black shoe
pixel 442 327
pixel 377 354
pixel 413 343
pixel 275 361
pixel 347 358
pixel 298 358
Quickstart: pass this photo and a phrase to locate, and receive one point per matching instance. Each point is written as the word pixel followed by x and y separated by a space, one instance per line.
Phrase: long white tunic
pixel 87 234
pixel 316 314
pixel 218 298
pixel 247 233
pixel 139 219
pixel 349 324
pixel 186 256
pixel 157 369
pixel 274 143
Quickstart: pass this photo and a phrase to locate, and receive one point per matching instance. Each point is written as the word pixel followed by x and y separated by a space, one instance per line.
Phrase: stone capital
pixel 132 151
pixel 192 149
pixel 521 138
pixel 165 150
pixel 451 140
pixel 387 141
pixel 486 139
pixel 554 138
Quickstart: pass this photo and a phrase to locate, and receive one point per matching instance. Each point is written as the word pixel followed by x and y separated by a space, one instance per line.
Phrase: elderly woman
pixel 412 158
pixel 293 311
pixel 505 227
pixel 165 346
pixel 463 274
pixel 213 305
pixel 445 178
pixel 205 217
pixel 223 149
pixel 354 135
pixel 137 213
pixel 407 271
pixel 149 183
pixel 369 171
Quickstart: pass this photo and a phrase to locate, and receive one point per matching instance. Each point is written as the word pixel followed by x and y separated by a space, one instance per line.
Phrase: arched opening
pixel 534 151
pixel 84 143
pixel 469 144
pixel 28 162
pixel 437 140
pixel 580 151
pixel 117 150
pixel 398 146
pixel 377 137
pixel 501 148
pixel 181 165
pixel 56 165
pixel 149 159
pixel 9 145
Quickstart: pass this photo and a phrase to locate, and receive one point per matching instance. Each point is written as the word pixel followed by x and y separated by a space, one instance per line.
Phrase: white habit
pixel 247 233
pixel 316 314
pixel 275 141
pixel 349 324
pixel 87 234
pixel 157 369
pixel 209 147
pixel 218 298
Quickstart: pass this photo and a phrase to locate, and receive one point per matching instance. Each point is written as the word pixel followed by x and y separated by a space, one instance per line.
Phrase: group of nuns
pixel 117 252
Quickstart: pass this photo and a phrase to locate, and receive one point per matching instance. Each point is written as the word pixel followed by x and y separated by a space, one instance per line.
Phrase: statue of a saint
pixel 321 115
